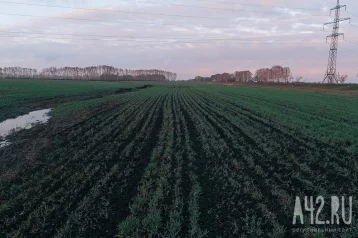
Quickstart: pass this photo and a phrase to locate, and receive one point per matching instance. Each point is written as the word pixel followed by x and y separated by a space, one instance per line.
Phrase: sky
pixel 189 37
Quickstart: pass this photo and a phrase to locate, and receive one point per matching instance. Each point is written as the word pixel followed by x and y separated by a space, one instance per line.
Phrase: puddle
pixel 4 143
pixel 22 122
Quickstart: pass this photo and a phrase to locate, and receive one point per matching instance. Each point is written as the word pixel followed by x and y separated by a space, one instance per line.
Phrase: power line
pixel 99 20
pixel 160 41
pixel 118 11
pixel 86 35
pixel 351 39
pixel 229 9
pixel 216 8
pixel 349 49
pixel 123 36
pixel 131 40
pixel 145 13
pixel 136 22
pixel 352 42
pixel 352 14
pixel 259 5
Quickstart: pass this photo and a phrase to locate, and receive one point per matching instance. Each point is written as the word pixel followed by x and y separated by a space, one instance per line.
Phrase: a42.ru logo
pixel 340 210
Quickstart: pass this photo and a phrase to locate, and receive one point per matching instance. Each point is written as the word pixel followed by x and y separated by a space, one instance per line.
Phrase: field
pixel 338 89
pixel 22 96
pixel 173 160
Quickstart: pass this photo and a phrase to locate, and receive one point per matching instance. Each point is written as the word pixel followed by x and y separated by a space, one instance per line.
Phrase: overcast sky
pixel 209 37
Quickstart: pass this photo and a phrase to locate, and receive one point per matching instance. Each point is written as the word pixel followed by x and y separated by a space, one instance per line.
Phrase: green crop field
pixel 173 160
pixel 21 96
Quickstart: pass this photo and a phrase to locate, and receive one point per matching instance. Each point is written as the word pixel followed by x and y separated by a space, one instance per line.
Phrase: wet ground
pixel 22 122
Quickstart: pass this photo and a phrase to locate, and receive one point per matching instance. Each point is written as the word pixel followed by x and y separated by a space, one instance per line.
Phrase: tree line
pixel 102 72
pixel 275 74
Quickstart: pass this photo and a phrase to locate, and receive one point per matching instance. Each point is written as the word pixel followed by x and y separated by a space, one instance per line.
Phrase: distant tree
pixel 277 73
pixel 102 72
pixel 109 77
pixel 298 79
pixel 242 76
pixel 287 74
pixel 198 79
pixel 263 75
pixel 226 77
pixel 341 78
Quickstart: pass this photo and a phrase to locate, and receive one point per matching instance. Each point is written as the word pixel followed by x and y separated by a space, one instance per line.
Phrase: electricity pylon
pixel 331 75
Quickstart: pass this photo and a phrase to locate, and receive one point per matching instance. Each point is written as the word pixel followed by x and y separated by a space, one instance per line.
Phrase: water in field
pixel 23 122
pixel 4 143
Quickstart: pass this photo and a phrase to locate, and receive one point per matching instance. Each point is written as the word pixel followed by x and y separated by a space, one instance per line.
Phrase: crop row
pixel 175 161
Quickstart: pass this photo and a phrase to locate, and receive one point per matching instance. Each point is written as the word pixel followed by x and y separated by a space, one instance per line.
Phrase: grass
pixel 21 96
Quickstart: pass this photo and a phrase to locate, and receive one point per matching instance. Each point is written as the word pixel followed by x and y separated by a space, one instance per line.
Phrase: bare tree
pixel 263 75
pixel 242 76
pixel 102 72
pixel 341 78
pixel 298 79
pixel 288 74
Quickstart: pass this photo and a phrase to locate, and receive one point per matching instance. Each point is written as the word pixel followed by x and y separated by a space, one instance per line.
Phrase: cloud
pixel 289 37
